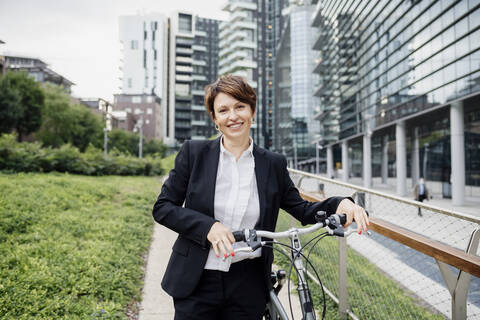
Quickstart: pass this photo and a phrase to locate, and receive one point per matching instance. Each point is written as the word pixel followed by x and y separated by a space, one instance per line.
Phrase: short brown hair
pixel 234 86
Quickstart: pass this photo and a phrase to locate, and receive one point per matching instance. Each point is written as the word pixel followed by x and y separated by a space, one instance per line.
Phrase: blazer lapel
pixel 261 172
pixel 211 168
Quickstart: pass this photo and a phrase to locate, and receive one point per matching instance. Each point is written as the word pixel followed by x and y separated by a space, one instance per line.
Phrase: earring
pixel 217 127
pixel 253 120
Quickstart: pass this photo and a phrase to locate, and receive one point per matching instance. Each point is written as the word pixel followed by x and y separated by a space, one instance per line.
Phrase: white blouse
pixel 236 202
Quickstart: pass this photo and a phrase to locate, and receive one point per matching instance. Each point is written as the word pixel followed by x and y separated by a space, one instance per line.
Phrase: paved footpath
pixel 158 305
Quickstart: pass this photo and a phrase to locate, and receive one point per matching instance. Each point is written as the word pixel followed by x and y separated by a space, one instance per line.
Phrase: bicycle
pixel 274 310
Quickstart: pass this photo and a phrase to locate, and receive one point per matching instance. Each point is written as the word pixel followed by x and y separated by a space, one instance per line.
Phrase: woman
pixel 229 184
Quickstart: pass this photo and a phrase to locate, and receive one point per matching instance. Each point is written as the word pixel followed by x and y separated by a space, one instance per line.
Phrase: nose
pixel 232 114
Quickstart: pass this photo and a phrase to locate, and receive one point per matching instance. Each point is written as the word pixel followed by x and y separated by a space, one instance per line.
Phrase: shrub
pixel 30 157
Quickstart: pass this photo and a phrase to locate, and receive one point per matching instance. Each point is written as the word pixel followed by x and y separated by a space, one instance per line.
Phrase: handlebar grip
pixel 239 235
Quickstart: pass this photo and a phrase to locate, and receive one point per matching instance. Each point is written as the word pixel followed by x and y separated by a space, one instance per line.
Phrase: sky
pixel 79 38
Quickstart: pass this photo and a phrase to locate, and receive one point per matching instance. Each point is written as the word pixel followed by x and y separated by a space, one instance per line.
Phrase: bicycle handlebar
pixel 323 221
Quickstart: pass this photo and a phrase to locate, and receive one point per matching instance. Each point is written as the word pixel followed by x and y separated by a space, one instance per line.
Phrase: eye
pixel 240 106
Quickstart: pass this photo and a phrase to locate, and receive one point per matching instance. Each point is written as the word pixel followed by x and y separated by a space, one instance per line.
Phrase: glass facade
pixel 302 102
pixel 381 61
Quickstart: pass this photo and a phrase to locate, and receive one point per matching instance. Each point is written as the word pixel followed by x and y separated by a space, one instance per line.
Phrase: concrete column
pixel 329 162
pixel 401 155
pixel 345 160
pixel 385 160
pixel 457 147
pixel 415 158
pixel 367 159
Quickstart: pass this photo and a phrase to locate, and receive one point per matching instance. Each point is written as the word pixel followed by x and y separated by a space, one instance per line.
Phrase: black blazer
pixel 193 181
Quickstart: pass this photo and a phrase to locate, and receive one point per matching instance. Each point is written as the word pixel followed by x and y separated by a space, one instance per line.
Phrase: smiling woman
pixel 229 184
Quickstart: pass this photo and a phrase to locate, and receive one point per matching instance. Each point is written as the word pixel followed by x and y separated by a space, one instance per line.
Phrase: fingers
pixel 221 239
pixel 361 219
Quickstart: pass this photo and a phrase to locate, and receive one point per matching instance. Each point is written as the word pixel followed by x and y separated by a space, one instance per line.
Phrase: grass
pixel 72 247
pixel 371 294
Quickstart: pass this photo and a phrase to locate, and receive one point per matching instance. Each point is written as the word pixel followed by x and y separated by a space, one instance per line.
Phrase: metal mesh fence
pixel 387 280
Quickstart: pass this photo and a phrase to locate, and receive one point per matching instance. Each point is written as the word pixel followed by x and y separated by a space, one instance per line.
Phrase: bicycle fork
pixel 308 313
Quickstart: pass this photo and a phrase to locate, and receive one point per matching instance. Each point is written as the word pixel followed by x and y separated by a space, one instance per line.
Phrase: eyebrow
pixel 236 103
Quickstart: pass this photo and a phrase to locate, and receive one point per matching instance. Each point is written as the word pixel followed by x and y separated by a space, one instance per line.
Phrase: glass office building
pixel 401 62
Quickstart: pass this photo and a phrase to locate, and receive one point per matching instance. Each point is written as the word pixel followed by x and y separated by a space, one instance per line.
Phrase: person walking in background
pixel 420 192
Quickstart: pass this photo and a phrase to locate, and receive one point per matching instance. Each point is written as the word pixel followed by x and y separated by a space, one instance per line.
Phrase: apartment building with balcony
pixel 37 69
pixel 248 41
pixel 193 63
pixel 169 60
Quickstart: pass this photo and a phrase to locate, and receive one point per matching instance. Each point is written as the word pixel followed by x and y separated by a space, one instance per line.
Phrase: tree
pixel 127 142
pixel 65 122
pixel 21 104
pixel 123 141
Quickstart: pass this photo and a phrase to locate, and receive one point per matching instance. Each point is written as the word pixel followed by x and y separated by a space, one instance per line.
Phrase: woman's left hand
pixel 354 213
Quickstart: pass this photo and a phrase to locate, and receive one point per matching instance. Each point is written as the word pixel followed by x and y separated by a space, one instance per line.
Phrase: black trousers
pixel 238 294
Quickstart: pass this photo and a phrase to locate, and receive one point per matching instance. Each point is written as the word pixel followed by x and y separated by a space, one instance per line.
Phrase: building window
pixel 185 22
pixel 129 82
pixel 136 99
pixel 149 110
pixel 149 99
pixel 147 121
pixel 128 110
pixel 182 89
pixel 134 44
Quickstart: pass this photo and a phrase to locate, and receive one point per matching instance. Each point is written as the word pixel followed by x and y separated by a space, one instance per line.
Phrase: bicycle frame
pixel 275 310
pixel 275 307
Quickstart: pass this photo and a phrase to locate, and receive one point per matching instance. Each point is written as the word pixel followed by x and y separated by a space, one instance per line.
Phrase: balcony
pixel 198 92
pixel 238 15
pixel 184 50
pixel 198 108
pixel 186 60
pixel 199 63
pixel 241 5
pixel 200 123
pixel 199 77
pixel 199 48
pixel 183 78
pixel 236 55
pixel 183 69
pixel 200 33
pixel 239 64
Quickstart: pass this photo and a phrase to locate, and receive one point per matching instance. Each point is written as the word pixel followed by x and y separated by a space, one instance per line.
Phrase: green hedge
pixel 31 157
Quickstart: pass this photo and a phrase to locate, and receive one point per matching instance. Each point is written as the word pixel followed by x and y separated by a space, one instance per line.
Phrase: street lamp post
pixel 104 107
pixel 139 126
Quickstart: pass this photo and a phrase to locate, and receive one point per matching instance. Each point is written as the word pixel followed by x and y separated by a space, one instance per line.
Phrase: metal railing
pixel 425 254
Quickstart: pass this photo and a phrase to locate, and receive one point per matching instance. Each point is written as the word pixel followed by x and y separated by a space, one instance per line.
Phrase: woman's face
pixel 232 117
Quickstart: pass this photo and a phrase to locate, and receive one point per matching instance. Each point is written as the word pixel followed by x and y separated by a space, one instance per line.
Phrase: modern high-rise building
pixel 193 63
pixel 296 130
pixel 402 79
pixel 171 59
pixel 143 65
pixel 248 42
pixel 144 54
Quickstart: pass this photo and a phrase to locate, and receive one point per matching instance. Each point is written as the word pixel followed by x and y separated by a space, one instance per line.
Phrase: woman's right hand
pixel 221 239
